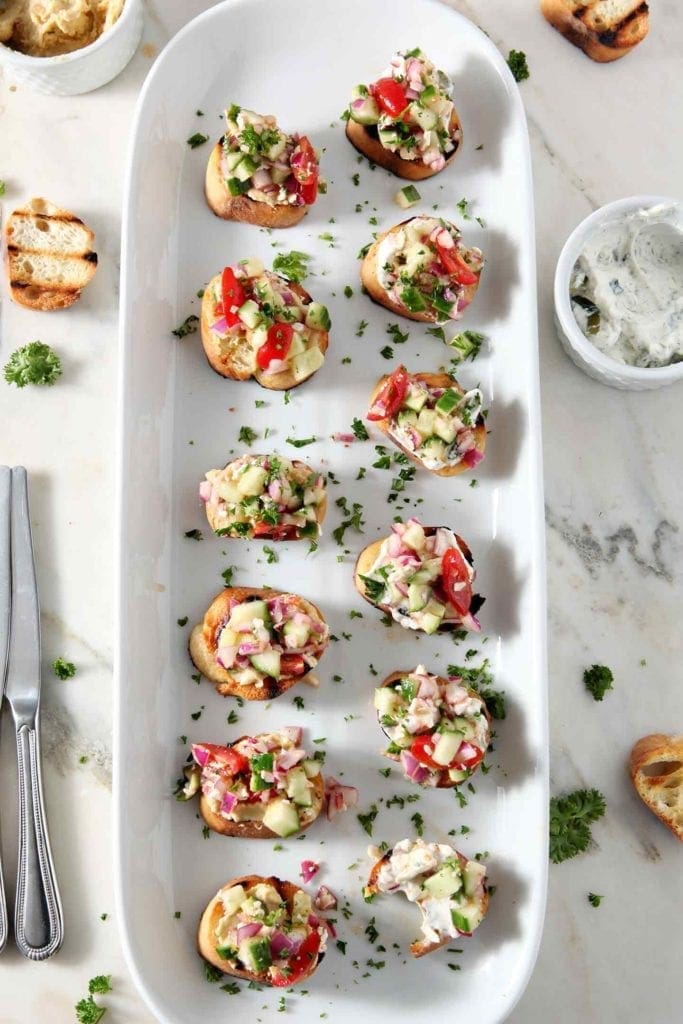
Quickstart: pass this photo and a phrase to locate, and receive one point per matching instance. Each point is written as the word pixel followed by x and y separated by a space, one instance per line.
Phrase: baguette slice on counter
pixel 604 29
pixel 656 768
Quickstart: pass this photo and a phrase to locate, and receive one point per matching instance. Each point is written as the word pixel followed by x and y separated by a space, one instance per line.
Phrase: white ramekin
pixel 577 346
pixel 85 69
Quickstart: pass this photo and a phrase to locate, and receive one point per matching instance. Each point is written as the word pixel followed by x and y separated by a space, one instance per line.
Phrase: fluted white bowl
pixel 83 70
pixel 575 343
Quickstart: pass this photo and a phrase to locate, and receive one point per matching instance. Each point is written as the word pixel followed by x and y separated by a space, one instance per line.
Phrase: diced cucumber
pixel 255 953
pixel 307 363
pixel 317 316
pixel 298 345
pixel 428 96
pixel 425 117
pixel 434 448
pixel 407 197
pixel 279 175
pixel 386 700
pixel 245 168
pixel 415 398
pixel 388 136
pixel 414 536
pixel 296 633
pixel 252 480
pixel 282 818
pixel 237 187
pixel 458 774
pixel 364 110
pixel 228 491
pixel 448 401
pixel 302 906
pixel 445 428
pixel 443 883
pixel 418 596
pixel 461 921
pixel 425 422
pixel 249 313
pixel 298 787
pixel 245 613
pixel 227 638
pixel 432 616
pixel 446 747
pixel 232 899
pixel 312 768
pixel 233 158
pixel 359 92
pixel 473 874
pixel 268 662
pixel 252 266
pixel 278 148
pixel 407 418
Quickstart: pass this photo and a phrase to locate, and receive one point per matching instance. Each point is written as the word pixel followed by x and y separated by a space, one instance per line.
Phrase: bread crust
pixel 576 23
pixel 378 293
pixel 256 829
pixel 203 646
pixel 656 770
pixel 213 913
pixel 432 380
pixel 444 781
pixel 223 359
pixel 420 947
pixel 242 208
pixel 320 511
pixel 366 560
pixel 411 170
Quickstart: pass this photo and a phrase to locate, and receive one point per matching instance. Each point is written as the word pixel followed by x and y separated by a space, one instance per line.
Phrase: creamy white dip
pixel 627 288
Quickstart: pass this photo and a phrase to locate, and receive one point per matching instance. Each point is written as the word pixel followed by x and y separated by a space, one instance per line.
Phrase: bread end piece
pixel 604 29
pixel 656 770
pixel 242 208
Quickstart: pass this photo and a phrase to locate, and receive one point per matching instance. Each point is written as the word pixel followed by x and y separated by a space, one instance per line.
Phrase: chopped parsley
pixel 570 819
pixel 360 331
pixel 398 336
pixel 353 518
pixel 598 680
pixel 362 253
pixel 34 363
pixel 194 534
pixel 480 678
pixel 227 575
pixel 464 208
pixel 247 435
pixel 518 65
pixel 594 899
pixel 271 554
pixel 348 291
pixel 300 442
pixel 359 429
pixel 292 265
pixel 355 178
pixel 87 1010
pixel 368 818
pixel 466 345
pixel 183 621
pixel 232 718
pixel 418 822
pixel 298 702
pixel 197 140
pixel 63 669
pixel 188 326
pixel 387 352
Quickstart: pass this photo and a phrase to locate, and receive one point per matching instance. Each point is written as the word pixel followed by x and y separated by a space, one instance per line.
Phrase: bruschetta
pixel 420 269
pixel 264 496
pixel 438 729
pixel 263 930
pixel 259 174
pixel 448 889
pixel 256 643
pixel 422 577
pixel 431 419
pixel 258 787
pixel 406 121
pixel 257 324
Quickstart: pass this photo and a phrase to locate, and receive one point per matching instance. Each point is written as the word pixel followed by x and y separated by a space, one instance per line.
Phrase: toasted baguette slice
pixel 368 556
pixel 49 256
pixel 256 829
pixel 445 782
pixel 242 208
pixel 421 946
pixel 604 29
pixel 366 141
pixel 432 380
pixel 656 767
pixel 206 941
pixel 203 646
pixel 371 282
pixel 232 356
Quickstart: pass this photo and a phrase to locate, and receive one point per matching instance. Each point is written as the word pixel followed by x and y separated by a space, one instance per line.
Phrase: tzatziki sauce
pixel 626 288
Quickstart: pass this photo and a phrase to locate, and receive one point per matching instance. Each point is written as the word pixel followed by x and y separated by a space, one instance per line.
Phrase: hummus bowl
pixel 580 349
pixel 82 70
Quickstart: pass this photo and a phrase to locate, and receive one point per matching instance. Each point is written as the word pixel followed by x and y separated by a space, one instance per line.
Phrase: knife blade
pixel 38 923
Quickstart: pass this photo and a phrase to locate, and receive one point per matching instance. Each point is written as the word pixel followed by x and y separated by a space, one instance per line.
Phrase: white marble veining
pixel 615 536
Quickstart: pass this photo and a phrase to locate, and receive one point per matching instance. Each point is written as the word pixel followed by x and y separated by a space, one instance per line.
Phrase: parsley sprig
pixel 570 819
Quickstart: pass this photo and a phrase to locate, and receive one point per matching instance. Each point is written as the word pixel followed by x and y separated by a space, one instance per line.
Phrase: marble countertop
pixel 615 547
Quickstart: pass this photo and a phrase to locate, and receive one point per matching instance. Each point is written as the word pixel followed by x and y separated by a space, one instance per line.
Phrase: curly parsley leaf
pixel 598 680
pixel 570 818
pixel 292 265
pixel 34 363
pixel 359 429
pixel 63 669
pixel 518 65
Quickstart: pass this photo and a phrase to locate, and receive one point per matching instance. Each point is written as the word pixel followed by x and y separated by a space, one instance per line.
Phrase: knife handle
pixel 38 923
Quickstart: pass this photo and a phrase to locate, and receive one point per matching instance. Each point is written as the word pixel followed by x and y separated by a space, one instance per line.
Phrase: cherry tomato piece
pixel 455 265
pixel 234 296
pixel 304 165
pixel 468 756
pixel 424 756
pixel 389 96
pixel 299 964
pixel 391 395
pixel 456 580
pixel 292 665
pixel 232 760
pixel 276 345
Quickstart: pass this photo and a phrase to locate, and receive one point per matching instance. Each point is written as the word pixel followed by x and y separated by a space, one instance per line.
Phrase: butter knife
pixel 38 922
pixel 5 604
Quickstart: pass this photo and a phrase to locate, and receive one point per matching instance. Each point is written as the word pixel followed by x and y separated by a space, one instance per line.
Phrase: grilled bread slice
pixel 203 645
pixel 206 933
pixel 656 768
pixel 49 256
pixel 242 208
pixel 432 380
pixel 366 140
pixel 604 29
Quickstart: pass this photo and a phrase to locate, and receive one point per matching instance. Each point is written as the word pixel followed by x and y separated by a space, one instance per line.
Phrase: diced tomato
pixel 391 395
pixel 233 296
pixel 231 759
pixel 454 264
pixel 468 756
pixel 304 165
pixel 276 346
pixel 299 964
pixel 417 749
pixel 456 580
pixel 281 531
pixel 292 665
pixel 389 96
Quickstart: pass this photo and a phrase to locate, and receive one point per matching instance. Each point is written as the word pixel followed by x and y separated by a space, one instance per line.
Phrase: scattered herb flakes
pixel 197 140
pixel 359 429
pixel 387 352
pixel 3 188
pixel 63 669
pixel 194 534
pixel 360 330
pixel 366 820
pixel 348 291
pixel 233 718
pixel 371 931
pixel 271 554
pixel 227 575
pixel 182 622
pixel 341 946
pixel 464 208
pixel 231 987
pixel 287 397
pixel 355 178
pixel 361 473
pixel 188 326
pixel 300 442
pixel 353 518
pixel 386 772
pixel 480 146
pixel 292 265
pixel 418 822
pixel 518 65
pixel 594 899
pixel 398 336
pixel 598 680
pixel 247 435
pixel 362 253
pixel 326 236
pixel 212 973
pixel 298 702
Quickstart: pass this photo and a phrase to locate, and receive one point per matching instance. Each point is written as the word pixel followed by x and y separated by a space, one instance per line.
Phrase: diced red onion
pixel 471 622
pixel 339 797
pixel 281 943
pixel 412 94
pixel 325 899
pixel 220 326
pixel 449 295
pixel 309 868
pixel 261 178
pixel 247 931
pixel 293 733
pixel 225 656
pixel 344 438
pixel 288 758
pixel 275 489
pixel 414 771
pixel 228 802
pixel 200 754
pixel 275 366
pixel 205 490
pixel 472 457
pixel 356 104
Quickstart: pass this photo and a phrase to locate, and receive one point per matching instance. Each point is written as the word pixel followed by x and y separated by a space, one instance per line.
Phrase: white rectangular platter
pixel 299 61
